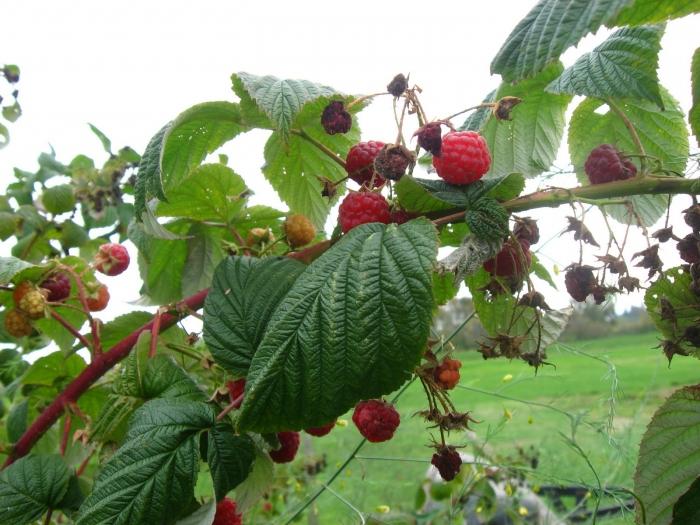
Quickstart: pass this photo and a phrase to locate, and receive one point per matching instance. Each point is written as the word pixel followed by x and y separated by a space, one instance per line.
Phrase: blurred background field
pixel 603 390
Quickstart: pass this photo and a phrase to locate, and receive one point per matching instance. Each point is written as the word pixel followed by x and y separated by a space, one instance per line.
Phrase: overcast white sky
pixel 129 67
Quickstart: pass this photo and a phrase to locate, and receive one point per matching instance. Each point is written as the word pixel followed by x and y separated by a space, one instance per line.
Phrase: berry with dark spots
pixel 580 281
pixel 335 119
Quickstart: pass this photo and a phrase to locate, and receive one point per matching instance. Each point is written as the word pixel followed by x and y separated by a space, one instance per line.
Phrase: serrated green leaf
pixel 281 100
pixel 31 486
pixel 669 455
pixel 674 286
pixel 245 292
pixel 653 11
pixel 623 66
pixel 195 133
pixel 476 120
pixel 204 515
pixel 211 192
pixel 487 219
pixel 414 197
pixel 204 253
pixel 258 482
pixel 352 327
pixel 10 267
pixel 151 478
pixel 230 458
pixel 53 368
pixel 118 328
pixel 528 143
pixel 663 134
pixel 104 140
pixel 444 288
pixel 506 188
pixel 293 167
pixel 164 378
pixel 149 181
pixel 687 508
pixel 549 29
pixel 694 115
pixel 16 422
pixel 73 235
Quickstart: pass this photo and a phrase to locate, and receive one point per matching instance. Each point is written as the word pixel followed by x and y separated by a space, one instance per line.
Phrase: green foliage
pixel 31 486
pixel 528 143
pixel 663 135
pixel 10 267
pixel 487 219
pixel 149 181
pixel 694 115
pixel 668 455
pixel 551 27
pixel 687 508
pixel 230 458
pixel 244 294
pixel 355 323
pixel 653 11
pixel 58 199
pixel 624 66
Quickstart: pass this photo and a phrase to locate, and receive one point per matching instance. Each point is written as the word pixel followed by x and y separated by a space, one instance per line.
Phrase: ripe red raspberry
pixel 512 261
pixel 299 230
pixel 447 374
pixel 580 282
pixel 33 304
pixel 111 259
pixel 464 157
pixel 362 207
pixel 17 324
pixel 335 119
pixel 448 462
pixel 58 287
pixel 99 299
pixel 689 248
pixel 606 164
pixel 289 444
pixel 226 513
pixel 430 137
pixel 376 420
pixel 235 391
pixel 360 162
pixel 320 431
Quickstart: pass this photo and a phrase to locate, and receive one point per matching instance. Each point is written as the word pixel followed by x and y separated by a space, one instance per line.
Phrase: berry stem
pixel 365 97
pixel 231 406
pixel 155 330
pixel 82 296
pixel 325 149
pixel 633 133
pixel 479 106
pixel 58 317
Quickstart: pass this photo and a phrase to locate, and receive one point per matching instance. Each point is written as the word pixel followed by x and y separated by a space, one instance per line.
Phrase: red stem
pixel 66 433
pixel 100 365
pixel 155 330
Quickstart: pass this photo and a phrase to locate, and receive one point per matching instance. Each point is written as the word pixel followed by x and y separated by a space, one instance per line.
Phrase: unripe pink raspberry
pixel 111 259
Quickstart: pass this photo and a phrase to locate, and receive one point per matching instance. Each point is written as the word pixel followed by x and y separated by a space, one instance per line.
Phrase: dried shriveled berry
pixel 526 230
pixel 376 420
pixel 430 137
pixel 448 462
pixel 259 236
pixel 335 119
pixel 580 281
pixel 689 248
pixel 512 261
pixel 504 106
pixel 692 217
pixel 289 444
pixel 392 161
pixel 398 85
pixel 17 324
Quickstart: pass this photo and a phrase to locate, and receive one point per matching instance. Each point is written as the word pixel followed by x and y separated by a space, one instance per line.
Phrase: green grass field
pixel 610 386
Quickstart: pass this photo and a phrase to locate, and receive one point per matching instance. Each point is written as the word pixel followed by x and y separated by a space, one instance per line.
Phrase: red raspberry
pixel 235 391
pixel 376 420
pixel 16 324
pixel 111 259
pixel 580 282
pixel 448 462
pixel 58 287
pixel 98 301
pixel 447 374
pixel 362 207
pixel 360 162
pixel 226 513
pixel 289 444
pixel 689 248
pixel 464 157
pixel 335 119
pixel 510 262
pixel 430 137
pixel 606 164
pixel 320 431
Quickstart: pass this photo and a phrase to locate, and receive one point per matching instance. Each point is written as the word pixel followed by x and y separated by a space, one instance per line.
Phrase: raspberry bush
pixel 305 319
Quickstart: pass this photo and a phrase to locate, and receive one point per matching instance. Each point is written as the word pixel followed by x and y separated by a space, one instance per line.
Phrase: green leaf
pixel 119 327
pixel 506 188
pixel 204 253
pixel 51 369
pixel 31 486
pixel 10 267
pixel 281 100
pixel 230 458
pixel 195 133
pixel 673 288
pixel 487 219
pixel 211 192
pixel 694 115
pixel 244 294
pixel 549 29
pixel 669 455
pixel 164 378
pixel 56 332
pixel 16 422
pixel 476 120
pixel 73 235
pixel 104 140
pixel 4 136
pixel 663 134
pixel 528 143
pixel 12 112
pixel 541 271
pixel 151 478
pixel 258 482
pixel 444 288
pixel 204 515
pixel 415 197
pixel 293 165
pixel 624 66
pixel 352 327
pixel 653 11
pixel 149 181
pixel 687 508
